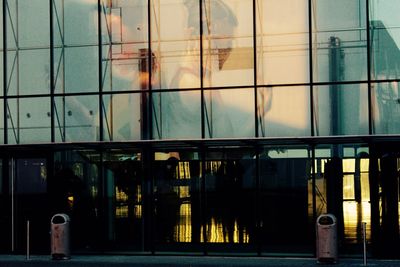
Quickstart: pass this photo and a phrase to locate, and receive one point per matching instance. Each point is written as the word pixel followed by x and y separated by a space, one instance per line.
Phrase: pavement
pixel 181 261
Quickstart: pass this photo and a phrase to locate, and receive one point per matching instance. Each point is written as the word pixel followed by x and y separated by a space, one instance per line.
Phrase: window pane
pixel 339 40
pixel 227 42
pixel 229 113
pixel 33 23
pixel 81 69
pixel 386 111
pixel 80 21
pixel 284 111
pixel 176 115
pixel 124 31
pixel 385 37
pixel 122 117
pixel 29 120
pixel 1 74
pixel 341 109
pixel 1 28
pixel 11 20
pixel 177 48
pixel 76 118
pixel 282 26
pixel 34 72
pixel 1 121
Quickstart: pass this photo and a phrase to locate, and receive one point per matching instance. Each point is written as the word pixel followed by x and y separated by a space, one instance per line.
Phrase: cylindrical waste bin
pixel 327 247
pixel 60 235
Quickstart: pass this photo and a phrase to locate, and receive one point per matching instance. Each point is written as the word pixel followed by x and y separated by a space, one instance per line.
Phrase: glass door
pixel 29 205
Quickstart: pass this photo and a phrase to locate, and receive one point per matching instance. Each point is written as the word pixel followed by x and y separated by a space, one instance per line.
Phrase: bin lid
pixel 326 219
pixel 60 218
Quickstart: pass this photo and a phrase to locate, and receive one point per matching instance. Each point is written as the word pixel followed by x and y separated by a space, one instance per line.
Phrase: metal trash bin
pixel 60 237
pixel 327 246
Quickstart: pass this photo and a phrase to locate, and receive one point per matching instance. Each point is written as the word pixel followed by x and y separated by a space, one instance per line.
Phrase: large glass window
pixel 28 120
pixel 76 118
pixel 284 111
pixel 282 42
pixel 341 109
pixel 339 40
pixel 385 39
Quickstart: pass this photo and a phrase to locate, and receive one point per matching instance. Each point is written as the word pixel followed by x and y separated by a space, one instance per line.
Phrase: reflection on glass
pixel 34 72
pixel 227 42
pixel 282 52
pixel 124 197
pixel 124 35
pixel 177 48
pixel 284 111
pixel 122 117
pixel 76 118
pixel 229 113
pixel 79 21
pixel 33 30
pixel 29 120
pixel 81 69
pixel 385 39
pixel 341 110
pixel 354 194
pixel 176 115
pixel 339 40
pixel 386 108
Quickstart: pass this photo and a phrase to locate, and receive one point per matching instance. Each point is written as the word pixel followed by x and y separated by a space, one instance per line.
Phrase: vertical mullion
pixel 100 67
pixel 5 70
pixel 310 64
pixel 255 68
pixel 203 131
pixel 148 95
pixel 52 113
pixel 368 28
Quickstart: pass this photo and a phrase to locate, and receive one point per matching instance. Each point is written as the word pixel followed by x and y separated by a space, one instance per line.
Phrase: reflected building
pixel 207 127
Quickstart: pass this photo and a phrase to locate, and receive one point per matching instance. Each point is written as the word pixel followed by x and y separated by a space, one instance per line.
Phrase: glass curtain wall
pixel 123 70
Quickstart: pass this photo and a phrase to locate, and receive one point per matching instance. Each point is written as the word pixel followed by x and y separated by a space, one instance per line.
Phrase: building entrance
pixel 24 199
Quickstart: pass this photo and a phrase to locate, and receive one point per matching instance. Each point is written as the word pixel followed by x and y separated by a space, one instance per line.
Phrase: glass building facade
pixel 200 126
